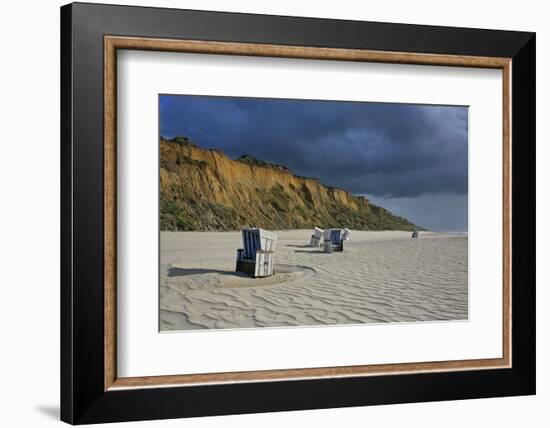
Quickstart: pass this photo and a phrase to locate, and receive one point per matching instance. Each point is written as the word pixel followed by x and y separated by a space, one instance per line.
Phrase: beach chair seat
pixel 333 241
pixel 256 258
pixel 315 240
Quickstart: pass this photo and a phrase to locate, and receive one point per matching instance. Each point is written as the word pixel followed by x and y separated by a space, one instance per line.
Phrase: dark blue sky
pixel 411 159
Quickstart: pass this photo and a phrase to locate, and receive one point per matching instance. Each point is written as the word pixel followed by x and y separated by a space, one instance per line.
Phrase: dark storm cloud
pixel 392 150
pixel 382 150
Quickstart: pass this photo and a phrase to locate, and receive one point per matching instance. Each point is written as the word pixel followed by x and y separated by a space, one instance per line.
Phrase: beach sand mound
pixel 200 276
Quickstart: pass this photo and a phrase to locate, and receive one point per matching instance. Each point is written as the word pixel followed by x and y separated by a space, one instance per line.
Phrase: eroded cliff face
pixel 204 190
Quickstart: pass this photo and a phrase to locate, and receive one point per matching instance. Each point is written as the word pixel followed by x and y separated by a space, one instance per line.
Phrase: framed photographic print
pixel 316 212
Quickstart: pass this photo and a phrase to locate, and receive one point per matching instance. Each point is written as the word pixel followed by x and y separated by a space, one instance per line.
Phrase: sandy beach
pixel 380 277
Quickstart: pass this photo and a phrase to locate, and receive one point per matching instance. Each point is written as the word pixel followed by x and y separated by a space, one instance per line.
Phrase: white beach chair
pixel 256 258
pixel 333 240
pixel 315 240
pixel 347 234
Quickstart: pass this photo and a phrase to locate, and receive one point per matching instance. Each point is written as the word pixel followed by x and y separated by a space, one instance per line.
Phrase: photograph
pixel 293 212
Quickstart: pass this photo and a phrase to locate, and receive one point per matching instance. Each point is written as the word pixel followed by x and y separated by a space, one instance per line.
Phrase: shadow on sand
pixel 174 272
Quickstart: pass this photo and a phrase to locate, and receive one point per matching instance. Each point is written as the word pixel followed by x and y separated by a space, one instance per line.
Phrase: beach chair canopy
pixel 329 233
pixel 255 239
pixel 317 232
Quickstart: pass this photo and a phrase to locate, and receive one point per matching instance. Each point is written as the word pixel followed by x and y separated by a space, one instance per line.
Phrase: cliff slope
pixel 203 189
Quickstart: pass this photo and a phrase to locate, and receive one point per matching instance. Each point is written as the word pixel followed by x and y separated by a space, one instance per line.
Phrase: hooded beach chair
pixel 347 234
pixel 333 240
pixel 256 258
pixel 315 240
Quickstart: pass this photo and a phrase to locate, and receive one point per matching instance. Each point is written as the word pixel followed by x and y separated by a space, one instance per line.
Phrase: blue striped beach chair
pixel 333 241
pixel 256 258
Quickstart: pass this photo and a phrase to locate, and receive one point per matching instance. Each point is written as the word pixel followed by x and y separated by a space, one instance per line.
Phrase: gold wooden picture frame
pixel 114 43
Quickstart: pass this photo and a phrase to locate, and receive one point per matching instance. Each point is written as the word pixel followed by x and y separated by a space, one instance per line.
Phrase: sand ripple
pixel 381 277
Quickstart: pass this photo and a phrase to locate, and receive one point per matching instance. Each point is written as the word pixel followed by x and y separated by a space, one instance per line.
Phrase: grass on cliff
pixel 185 208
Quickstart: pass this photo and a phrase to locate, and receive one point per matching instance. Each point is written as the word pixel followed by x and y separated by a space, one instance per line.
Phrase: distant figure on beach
pixel 415 234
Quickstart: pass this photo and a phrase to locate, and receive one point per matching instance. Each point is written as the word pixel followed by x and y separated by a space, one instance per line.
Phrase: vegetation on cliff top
pixel 251 160
pixel 203 189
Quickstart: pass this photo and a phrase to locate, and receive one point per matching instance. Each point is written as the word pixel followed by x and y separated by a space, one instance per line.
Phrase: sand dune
pixel 380 277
